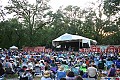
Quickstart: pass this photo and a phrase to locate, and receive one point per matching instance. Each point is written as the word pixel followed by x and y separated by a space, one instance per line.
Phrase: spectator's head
pixel 91 65
pixel 70 74
pixel 46 74
pixel 113 65
pixel 63 79
pixel 61 68
pixel 46 67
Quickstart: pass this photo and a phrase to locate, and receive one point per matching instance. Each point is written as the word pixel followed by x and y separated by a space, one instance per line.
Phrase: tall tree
pixel 112 26
pixel 2 14
pixel 112 11
pixel 11 33
pixel 31 15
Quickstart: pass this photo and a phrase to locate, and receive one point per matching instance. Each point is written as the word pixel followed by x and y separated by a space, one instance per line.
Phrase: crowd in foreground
pixel 59 65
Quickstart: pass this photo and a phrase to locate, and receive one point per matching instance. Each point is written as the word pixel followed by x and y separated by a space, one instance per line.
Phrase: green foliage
pixel 11 33
pixel 111 7
pixel 36 25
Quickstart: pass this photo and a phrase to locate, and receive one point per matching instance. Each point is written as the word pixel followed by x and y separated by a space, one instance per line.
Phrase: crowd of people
pixel 59 65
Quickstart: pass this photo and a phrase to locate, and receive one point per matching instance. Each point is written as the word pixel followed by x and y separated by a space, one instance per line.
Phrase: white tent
pixel 13 47
pixel 69 37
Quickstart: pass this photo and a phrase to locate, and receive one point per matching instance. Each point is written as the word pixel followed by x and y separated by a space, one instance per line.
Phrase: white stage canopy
pixel 13 47
pixel 69 37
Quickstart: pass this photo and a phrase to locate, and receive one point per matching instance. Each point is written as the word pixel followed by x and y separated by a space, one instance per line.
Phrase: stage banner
pixel 111 49
pixel 95 49
pixel 118 49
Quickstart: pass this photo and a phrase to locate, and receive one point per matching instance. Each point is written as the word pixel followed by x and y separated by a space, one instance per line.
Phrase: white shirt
pixel 92 71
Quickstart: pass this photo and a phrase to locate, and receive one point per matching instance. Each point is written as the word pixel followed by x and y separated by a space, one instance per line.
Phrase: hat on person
pixel 61 68
pixel 46 74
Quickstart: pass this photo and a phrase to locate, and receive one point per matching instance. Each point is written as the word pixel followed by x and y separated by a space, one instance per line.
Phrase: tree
pixel 2 14
pixel 31 16
pixel 112 11
pixel 111 7
pixel 11 33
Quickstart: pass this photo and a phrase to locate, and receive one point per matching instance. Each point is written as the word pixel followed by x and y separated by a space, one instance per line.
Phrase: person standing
pixel 92 72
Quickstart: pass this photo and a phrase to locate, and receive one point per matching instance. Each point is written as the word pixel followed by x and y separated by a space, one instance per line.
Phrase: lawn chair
pixel 42 68
pixel 37 70
pixel 2 77
pixel 17 69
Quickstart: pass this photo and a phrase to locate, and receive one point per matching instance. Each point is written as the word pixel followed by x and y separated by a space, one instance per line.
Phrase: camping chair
pixel 2 77
pixel 20 75
pixel 37 70
pixel 42 68
pixel 17 69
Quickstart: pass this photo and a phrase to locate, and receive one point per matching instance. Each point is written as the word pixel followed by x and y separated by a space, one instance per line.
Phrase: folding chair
pixel 37 70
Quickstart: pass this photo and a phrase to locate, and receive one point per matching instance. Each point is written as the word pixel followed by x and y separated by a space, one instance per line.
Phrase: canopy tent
pixel 13 47
pixel 70 38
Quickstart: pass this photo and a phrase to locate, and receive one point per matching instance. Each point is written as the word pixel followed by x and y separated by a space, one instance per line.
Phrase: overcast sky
pixel 55 4
pixel 82 3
